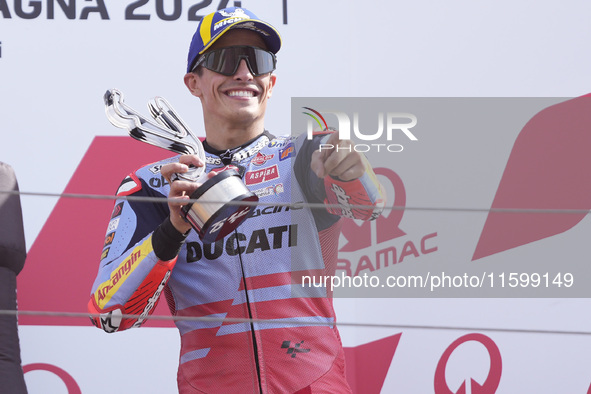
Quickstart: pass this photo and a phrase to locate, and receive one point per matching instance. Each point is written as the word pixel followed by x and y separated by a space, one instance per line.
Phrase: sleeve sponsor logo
pixel 109 239
pixel 262 175
pixel 117 210
pixel 106 290
pixel 113 224
pixel 105 254
pixel 121 272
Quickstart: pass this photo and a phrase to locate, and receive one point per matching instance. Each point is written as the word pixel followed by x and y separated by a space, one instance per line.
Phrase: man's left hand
pixel 338 159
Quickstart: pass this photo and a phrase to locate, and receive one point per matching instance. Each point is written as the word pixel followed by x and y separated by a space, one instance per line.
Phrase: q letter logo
pixel 493 379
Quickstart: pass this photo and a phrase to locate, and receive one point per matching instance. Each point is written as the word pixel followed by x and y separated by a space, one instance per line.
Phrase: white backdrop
pixel 54 71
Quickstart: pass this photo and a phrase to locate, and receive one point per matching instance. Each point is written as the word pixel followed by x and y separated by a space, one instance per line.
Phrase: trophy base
pixel 220 212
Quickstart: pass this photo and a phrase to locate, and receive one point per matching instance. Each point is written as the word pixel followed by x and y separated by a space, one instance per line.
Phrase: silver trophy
pixel 217 211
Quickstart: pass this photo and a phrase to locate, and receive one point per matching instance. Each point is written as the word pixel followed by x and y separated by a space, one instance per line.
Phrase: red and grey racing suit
pixel 253 273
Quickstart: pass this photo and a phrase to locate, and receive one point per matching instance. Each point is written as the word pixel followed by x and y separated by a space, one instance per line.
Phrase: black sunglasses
pixel 225 61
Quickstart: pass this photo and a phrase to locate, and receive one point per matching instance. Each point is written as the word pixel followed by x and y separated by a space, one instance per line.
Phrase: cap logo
pixel 251 26
pixel 231 17
pixel 237 13
pixel 225 22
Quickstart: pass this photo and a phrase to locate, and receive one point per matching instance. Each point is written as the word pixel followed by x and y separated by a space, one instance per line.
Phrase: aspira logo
pixel 390 124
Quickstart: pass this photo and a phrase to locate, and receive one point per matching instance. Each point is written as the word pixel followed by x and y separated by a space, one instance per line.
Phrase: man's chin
pixel 246 114
pixel 252 108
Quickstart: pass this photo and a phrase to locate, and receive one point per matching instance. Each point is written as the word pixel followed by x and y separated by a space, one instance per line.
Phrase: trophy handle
pixel 164 114
pixel 170 132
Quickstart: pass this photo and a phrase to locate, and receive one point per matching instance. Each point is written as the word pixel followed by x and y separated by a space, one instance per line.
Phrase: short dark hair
pixel 198 70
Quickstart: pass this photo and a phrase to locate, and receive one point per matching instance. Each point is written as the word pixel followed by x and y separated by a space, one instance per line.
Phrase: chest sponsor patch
pixel 286 153
pixel 261 159
pixel 269 190
pixel 263 175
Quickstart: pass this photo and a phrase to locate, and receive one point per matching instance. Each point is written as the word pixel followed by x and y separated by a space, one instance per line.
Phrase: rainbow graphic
pixel 315 118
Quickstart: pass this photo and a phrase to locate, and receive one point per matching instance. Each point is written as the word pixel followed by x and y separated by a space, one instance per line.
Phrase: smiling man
pixel 233 105
pixel 285 339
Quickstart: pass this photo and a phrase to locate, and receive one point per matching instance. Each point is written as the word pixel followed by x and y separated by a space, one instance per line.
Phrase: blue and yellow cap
pixel 214 25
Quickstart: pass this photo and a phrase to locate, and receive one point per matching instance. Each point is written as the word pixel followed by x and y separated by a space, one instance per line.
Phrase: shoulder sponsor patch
pixel 130 185
pixel 155 169
pixel 278 143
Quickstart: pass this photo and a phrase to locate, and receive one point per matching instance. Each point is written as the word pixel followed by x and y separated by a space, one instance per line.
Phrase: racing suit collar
pixel 238 153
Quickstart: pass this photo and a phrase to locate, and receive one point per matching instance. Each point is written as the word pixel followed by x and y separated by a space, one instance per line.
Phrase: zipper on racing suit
pixel 252 330
pixel 228 157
